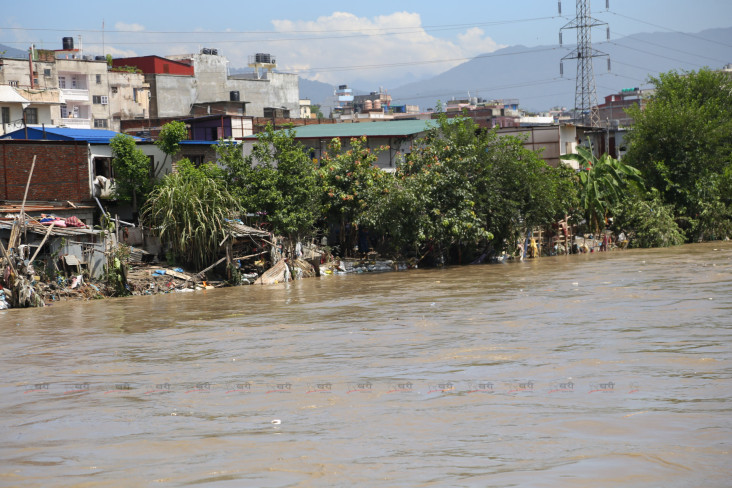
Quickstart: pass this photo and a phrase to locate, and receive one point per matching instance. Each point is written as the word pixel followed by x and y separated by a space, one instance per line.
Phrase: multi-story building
pixel 29 92
pixel 180 83
pixel 612 112
pixel 66 89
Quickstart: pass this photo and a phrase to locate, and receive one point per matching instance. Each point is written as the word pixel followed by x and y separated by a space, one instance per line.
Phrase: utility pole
pixel 585 93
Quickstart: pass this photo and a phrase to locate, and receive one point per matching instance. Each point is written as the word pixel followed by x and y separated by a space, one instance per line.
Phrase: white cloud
pixel 473 41
pixel 387 48
pixel 119 53
pixel 122 26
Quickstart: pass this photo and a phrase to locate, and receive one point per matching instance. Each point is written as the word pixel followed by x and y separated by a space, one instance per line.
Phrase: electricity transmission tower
pixel 585 94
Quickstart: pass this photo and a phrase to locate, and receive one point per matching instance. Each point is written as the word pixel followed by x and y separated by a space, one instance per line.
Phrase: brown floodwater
pixel 604 370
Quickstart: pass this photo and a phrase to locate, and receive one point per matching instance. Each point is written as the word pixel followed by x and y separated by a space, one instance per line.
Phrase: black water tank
pixel 263 58
pixel 100 58
pixel 68 43
pixel 234 96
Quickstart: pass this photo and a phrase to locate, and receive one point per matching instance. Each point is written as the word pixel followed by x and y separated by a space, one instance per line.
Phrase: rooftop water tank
pixel 368 105
pixel 68 43
pixel 234 96
pixel 377 104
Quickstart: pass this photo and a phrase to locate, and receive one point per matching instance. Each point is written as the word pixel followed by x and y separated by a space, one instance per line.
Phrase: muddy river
pixel 608 369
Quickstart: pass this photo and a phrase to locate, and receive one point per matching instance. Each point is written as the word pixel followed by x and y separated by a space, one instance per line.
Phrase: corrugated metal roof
pixel 98 136
pixel 392 128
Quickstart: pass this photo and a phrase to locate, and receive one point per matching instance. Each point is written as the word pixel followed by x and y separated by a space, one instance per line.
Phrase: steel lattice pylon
pixel 585 94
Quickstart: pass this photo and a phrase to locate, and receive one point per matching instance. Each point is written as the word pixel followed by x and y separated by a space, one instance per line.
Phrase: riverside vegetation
pixel 463 191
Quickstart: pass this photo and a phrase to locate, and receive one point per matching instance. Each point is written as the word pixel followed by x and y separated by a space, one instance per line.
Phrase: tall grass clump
pixel 189 210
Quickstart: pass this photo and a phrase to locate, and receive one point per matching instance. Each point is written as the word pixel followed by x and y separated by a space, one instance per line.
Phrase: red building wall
pixel 155 65
pixel 61 172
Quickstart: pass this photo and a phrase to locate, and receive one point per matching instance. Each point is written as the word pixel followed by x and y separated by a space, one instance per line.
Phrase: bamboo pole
pixel 25 195
pixel 48 232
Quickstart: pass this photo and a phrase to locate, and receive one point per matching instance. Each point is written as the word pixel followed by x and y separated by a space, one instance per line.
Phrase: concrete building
pixel 612 112
pixel 305 112
pixel 180 83
pixel 129 97
pixel 29 94
pixel 65 89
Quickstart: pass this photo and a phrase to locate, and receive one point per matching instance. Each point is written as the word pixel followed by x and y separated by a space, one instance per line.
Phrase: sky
pixel 367 44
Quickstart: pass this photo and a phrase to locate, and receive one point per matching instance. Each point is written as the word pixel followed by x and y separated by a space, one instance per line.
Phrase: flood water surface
pixel 610 369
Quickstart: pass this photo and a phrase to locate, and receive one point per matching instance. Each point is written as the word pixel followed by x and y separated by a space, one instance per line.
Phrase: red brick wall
pixel 61 172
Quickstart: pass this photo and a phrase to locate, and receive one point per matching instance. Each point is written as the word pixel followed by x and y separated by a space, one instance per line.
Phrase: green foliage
pixel 351 183
pixel 131 170
pixel 170 136
pixel 602 183
pixel 317 110
pixel 464 186
pixel 189 209
pixel 278 180
pixel 126 69
pixel 646 220
pixel 109 60
pixel 682 143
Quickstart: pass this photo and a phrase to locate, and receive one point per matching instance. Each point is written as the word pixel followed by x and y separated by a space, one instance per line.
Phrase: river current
pixel 607 369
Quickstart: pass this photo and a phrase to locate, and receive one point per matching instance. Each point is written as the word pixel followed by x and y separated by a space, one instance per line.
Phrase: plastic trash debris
pixel 276 422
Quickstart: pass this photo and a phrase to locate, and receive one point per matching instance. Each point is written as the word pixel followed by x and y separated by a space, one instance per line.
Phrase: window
pixel 6 115
pixel 47 72
pixel 100 123
pixel 99 79
pixel 64 111
pixel 100 99
pixel 31 116
pixel 74 82
pixel 62 82
pixel 103 167
pixel 114 90
pixel 134 94
pixel 13 83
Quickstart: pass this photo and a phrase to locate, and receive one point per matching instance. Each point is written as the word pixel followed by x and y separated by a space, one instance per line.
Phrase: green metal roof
pixel 392 128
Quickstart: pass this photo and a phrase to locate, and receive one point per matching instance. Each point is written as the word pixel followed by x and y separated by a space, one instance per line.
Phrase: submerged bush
pixel 647 221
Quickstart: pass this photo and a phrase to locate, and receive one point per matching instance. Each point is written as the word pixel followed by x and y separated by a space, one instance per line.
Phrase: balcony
pixel 76 123
pixel 74 95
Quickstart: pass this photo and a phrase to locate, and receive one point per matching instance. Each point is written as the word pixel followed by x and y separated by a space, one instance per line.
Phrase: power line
pixel 674 49
pixel 413 63
pixel 670 29
pixel 377 30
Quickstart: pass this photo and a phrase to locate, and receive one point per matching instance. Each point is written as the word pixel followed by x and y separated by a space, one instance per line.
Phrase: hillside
pixel 532 74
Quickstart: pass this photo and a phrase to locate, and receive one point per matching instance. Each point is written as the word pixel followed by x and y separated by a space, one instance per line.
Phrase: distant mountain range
pixel 532 75
pixel 11 52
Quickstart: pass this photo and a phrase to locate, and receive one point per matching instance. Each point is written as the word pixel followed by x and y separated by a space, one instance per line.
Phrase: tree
pixel 602 183
pixel 278 180
pixel 350 181
pixel 317 110
pixel 189 209
pixel 464 189
pixel 169 139
pixel 682 143
pixel 131 170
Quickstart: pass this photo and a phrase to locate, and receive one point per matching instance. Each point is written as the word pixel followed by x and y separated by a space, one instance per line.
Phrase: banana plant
pixel 602 181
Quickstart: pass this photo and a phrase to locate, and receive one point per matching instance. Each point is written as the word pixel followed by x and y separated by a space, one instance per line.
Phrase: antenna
pixel 585 94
